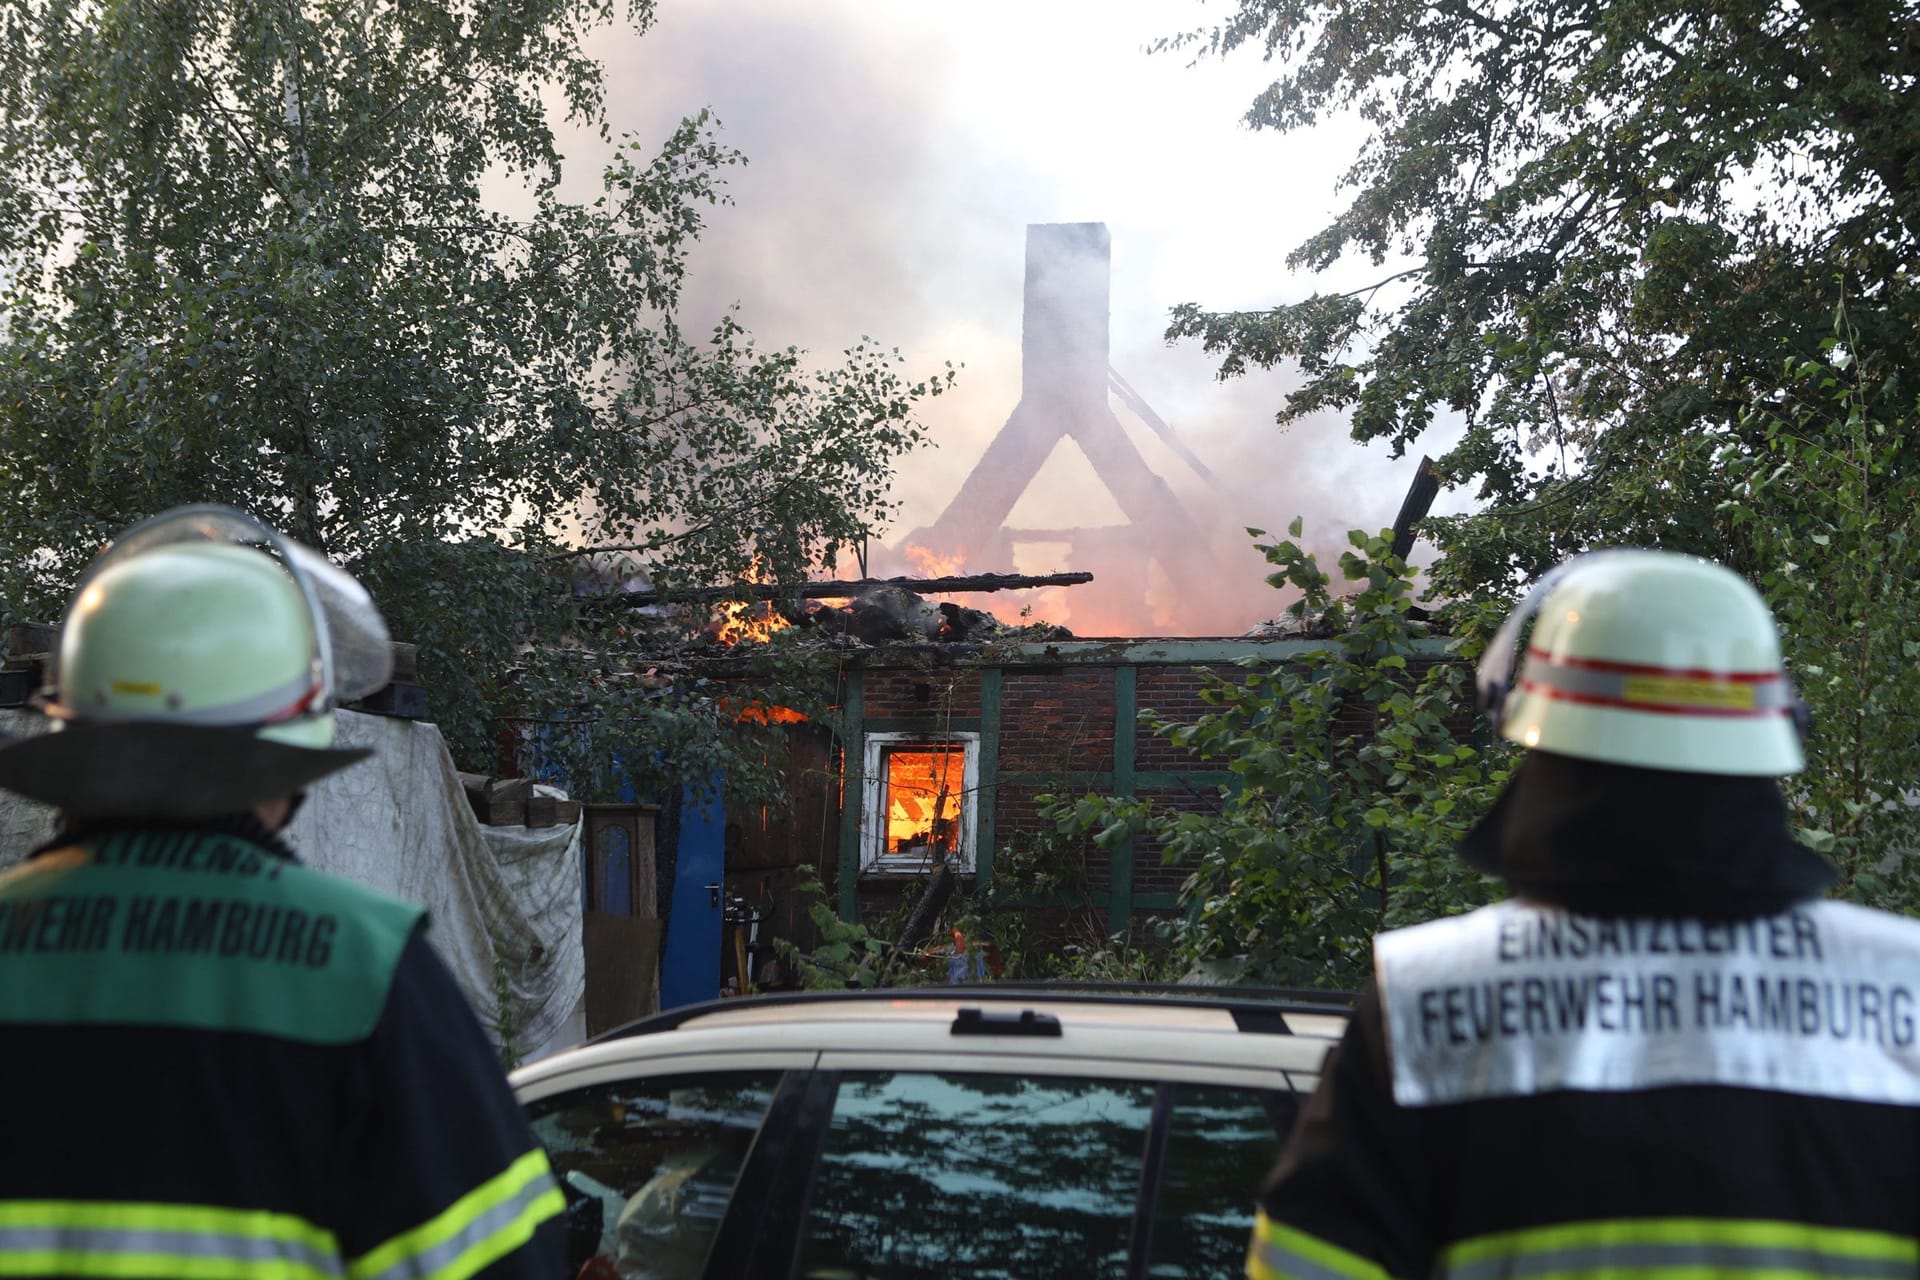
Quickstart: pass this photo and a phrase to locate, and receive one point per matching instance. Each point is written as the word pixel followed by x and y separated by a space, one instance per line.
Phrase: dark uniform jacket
pixel 215 1062
pixel 1667 1057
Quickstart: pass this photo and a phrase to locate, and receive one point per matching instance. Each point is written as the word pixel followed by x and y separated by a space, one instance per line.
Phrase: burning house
pixel 948 723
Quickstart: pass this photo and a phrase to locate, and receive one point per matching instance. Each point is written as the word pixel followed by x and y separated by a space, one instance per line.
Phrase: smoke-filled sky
pixel 896 153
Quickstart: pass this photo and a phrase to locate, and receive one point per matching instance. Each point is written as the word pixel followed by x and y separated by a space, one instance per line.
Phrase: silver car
pixel 988 1131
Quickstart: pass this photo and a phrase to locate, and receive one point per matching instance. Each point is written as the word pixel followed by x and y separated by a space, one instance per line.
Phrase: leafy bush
pixel 1830 499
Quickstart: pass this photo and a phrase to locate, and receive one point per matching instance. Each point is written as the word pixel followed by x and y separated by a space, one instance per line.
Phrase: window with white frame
pixel 919 797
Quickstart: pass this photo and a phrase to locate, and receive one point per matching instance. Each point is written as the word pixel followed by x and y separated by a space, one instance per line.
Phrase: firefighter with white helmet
pixel 221 1063
pixel 1666 1054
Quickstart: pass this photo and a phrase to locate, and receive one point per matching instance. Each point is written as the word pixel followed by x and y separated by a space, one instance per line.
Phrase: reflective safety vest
pixel 217 1063
pixel 1529 1092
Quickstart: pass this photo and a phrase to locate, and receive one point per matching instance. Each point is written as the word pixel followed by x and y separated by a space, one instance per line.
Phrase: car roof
pixel 1180 1032
pixel 1284 1011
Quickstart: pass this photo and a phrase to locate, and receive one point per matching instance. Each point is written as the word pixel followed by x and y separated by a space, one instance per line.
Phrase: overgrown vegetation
pixel 1033 919
pixel 504 1018
pixel 849 953
pixel 1359 772
pixel 1609 239
pixel 316 263
pixel 1036 912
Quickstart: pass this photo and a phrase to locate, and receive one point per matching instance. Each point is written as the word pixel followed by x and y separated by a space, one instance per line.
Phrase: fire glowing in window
pixel 924 789
pixel 918 801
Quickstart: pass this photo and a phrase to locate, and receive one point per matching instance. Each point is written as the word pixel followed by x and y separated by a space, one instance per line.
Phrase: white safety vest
pixel 1516 999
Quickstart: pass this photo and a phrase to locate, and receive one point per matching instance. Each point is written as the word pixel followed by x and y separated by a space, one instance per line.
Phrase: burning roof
pixel 879 614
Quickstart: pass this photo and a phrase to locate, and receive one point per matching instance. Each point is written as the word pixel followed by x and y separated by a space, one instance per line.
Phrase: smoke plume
pixel 896 156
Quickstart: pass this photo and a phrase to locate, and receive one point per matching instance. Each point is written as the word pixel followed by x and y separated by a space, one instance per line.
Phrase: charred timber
pixel 1414 507
pixel 926 914
pixel 820 590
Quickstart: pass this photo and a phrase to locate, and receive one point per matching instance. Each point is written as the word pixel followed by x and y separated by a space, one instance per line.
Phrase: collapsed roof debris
pixel 710 628
pixel 889 614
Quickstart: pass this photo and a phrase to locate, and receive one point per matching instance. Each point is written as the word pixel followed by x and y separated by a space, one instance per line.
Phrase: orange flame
pixel 738 620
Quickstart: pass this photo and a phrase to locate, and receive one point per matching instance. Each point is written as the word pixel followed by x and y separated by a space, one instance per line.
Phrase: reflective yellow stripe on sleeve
pixel 486 1224
pixel 1683 1249
pixel 195 1242
pixel 1279 1250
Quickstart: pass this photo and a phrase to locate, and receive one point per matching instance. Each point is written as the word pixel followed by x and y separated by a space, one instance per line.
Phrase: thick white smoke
pixel 896 155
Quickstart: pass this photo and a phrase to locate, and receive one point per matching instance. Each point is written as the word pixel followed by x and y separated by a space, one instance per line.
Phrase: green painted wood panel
pixel 1148 780
pixel 853 739
pixel 989 798
pixel 1125 707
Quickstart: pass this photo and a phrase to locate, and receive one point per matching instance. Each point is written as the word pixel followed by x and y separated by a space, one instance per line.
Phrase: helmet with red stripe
pixel 1646 658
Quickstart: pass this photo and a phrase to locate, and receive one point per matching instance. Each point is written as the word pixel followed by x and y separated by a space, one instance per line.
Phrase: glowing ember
pixel 761 713
pixel 923 798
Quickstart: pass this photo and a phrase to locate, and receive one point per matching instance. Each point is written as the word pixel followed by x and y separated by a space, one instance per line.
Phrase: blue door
pixel 690 969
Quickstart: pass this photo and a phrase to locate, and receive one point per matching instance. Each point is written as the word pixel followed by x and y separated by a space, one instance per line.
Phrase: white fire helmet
pixel 1646 658
pixel 200 661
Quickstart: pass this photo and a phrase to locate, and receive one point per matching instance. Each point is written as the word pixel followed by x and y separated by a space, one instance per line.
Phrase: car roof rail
pixel 1254 1009
pixel 1202 993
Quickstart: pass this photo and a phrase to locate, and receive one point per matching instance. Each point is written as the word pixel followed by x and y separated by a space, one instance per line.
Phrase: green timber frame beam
pixel 1126 707
pixel 853 746
pixel 1176 653
pixel 987 802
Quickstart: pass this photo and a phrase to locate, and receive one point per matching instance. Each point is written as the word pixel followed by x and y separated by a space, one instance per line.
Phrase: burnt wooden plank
pixel 818 590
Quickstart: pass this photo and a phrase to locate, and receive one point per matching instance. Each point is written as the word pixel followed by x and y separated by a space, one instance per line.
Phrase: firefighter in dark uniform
pixel 1666 1055
pixel 219 1063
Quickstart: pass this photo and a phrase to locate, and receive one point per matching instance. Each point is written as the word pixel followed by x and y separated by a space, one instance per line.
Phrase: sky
pixel 897 152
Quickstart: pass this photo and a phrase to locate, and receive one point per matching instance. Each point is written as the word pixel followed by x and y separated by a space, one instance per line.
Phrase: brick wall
pixel 1053 721
pixel 1016 808
pixel 933 694
pixel 1175 693
pixel 1057 721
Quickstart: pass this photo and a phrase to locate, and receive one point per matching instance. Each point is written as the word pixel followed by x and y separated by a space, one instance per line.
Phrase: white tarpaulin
pixel 504 901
